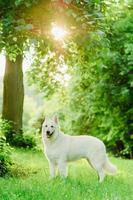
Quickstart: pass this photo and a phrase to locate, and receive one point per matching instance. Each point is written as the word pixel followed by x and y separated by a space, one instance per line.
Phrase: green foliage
pixel 24 141
pixel 101 91
pixel 14 29
pixel 5 160
pixel 19 140
pixel 5 150
pixel 50 65
pixel 5 126
pixel 51 56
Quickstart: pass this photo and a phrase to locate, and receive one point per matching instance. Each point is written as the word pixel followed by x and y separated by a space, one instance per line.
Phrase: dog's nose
pixel 48 132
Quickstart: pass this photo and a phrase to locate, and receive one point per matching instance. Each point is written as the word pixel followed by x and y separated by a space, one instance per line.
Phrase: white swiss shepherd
pixel 61 148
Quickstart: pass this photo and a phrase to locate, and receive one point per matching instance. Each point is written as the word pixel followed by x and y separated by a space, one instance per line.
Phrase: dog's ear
pixel 55 119
pixel 46 118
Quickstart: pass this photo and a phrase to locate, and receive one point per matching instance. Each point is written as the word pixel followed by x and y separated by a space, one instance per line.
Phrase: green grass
pixel 31 182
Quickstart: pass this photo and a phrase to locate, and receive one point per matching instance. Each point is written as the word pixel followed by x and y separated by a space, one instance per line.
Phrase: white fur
pixel 61 148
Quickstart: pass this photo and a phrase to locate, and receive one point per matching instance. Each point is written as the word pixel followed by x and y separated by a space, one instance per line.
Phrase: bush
pixel 25 141
pixel 5 127
pixel 5 160
pixel 5 150
pixel 18 140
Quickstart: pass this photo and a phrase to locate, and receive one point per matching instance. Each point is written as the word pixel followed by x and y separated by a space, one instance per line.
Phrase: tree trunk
pixel 13 93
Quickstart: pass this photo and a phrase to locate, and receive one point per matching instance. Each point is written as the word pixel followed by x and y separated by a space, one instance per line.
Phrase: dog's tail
pixel 109 167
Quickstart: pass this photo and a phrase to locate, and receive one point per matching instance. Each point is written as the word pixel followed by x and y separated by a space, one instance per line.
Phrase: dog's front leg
pixel 52 168
pixel 63 168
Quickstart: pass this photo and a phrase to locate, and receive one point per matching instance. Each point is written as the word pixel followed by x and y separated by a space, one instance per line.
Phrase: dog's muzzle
pixel 49 134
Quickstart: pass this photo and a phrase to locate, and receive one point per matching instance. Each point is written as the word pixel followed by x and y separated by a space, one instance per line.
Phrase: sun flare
pixel 58 32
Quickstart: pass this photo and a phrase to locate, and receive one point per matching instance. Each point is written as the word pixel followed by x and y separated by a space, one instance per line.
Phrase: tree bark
pixel 13 93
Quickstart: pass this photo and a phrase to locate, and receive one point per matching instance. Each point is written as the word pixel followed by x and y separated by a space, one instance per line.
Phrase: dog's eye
pixel 46 126
pixel 52 127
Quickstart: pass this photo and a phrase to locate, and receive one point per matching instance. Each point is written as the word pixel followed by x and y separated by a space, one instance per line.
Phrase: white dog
pixel 61 148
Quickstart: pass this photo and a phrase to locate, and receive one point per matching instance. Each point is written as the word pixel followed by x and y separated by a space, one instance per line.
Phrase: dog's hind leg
pixel 99 168
pixel 101 175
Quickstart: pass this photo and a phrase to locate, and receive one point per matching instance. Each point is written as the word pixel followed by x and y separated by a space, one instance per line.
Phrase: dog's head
pixel 50 127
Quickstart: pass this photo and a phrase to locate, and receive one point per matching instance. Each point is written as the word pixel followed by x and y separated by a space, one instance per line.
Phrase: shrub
pixel 25 141
pixel 5 127
pixel 5 150
pixel 18 140
pixel 5 160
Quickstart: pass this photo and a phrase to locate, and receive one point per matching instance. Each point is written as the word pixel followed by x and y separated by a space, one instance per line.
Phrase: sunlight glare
pixel 58 32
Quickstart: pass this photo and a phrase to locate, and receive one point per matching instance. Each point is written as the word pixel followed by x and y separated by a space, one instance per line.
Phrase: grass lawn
pixel 31 182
